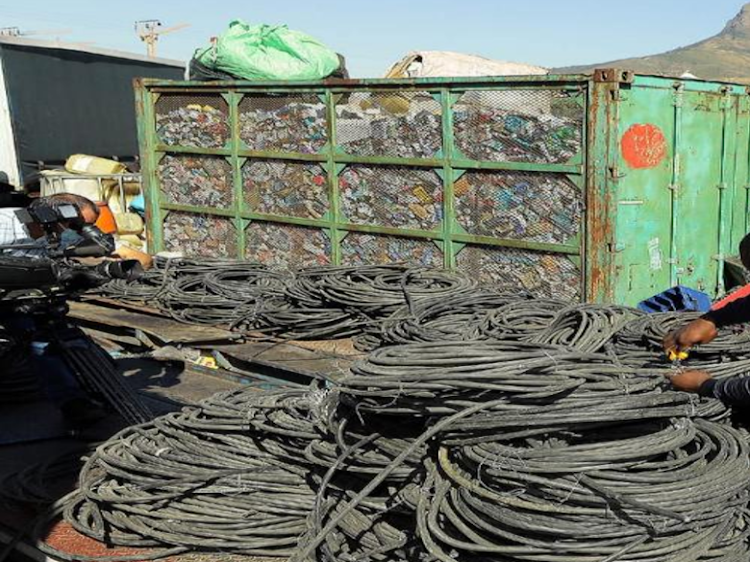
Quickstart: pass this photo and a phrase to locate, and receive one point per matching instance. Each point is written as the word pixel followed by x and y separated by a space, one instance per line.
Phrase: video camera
pixel 56 272
pixel 92 241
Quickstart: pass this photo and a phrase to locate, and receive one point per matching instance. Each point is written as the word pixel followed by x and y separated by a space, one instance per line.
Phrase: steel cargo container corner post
pixel 144 111
pixel 601 182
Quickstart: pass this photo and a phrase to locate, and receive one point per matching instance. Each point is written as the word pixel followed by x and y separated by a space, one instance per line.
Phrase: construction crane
pixel 149 32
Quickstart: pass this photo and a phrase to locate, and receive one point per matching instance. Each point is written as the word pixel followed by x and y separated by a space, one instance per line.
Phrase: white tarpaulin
pixel 435 64
pixel 442 64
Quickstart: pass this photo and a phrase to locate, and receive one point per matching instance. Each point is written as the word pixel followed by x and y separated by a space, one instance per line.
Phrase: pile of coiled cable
pixel 226 476
pixel 437 319
pixel 206 291
pixel 511 429
pixel 340 301
pixel 675 490
pixel 313 303
pixel 520 320
pixel 586 327
pixel 549 454
pixel 639 344
pixel 464 450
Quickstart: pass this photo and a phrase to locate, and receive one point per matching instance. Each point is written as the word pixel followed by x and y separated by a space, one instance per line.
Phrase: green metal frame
pixel 449 163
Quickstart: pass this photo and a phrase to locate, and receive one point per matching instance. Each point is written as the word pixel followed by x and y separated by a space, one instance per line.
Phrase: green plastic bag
pixel 264 52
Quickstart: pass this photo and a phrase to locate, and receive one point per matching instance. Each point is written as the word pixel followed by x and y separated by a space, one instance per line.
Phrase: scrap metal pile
pixel 481 427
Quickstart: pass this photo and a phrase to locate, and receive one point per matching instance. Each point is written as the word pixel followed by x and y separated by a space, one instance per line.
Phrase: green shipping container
pixel 608 188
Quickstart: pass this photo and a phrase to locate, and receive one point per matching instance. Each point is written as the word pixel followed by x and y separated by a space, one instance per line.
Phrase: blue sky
pixel 375 33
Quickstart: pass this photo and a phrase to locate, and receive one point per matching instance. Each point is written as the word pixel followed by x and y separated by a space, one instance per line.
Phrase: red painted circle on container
pixel 643 146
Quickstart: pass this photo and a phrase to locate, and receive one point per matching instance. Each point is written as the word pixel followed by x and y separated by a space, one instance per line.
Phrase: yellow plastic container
pixel 129 223
pixel 85 164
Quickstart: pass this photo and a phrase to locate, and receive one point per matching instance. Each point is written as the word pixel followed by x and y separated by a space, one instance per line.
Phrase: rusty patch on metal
pixel 599 200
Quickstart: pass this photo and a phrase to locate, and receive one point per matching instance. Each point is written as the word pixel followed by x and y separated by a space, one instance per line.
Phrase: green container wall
pixel 670 169
pixel 640 154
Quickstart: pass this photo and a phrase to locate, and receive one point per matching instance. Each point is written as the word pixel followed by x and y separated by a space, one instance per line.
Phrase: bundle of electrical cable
pixel 520 320
pixel 586 327
pixel 486 315
pixel 407 457
pixel 312 303
pixel 147 287
pixel 437 319
pixel 543 453
pixel 226 476
pixel 339 301
pixel 206 291
pixel 639 343
pixel 238 474
pixel 358 449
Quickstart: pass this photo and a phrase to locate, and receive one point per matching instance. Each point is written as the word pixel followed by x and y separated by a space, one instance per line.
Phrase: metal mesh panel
pixel 197 120
pixel 540 126
pixel 204 181
pixel 393 196
pixel 286 246
pixel 542 274
pixel 405 125
pixel 283 123
pixel 538 207
pixel 200 235
pixel 277 187
pixel 359 248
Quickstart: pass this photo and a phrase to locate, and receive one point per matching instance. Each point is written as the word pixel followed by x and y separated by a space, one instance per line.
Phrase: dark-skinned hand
pixel 699 331
pixel 689 381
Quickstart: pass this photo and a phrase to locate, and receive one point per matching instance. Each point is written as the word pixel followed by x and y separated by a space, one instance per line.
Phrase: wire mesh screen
pixel 404 125
pixel 295 123
pixel 538 207
pixel 359 248
pixel 394 196
pixel 280 187
pixel 199 120
pixel 542 274
pixel 540 126
pixel 200 235
pixel 204 181
pixel 286 246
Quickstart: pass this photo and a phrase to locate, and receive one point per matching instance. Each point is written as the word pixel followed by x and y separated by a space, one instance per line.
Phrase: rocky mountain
pixel 723 57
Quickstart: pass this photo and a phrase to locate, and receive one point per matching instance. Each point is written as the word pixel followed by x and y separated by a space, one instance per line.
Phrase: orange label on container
pixel 643 146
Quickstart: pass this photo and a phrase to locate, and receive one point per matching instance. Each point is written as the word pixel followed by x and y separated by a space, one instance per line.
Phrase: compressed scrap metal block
pixel 404 125
pixel 276 187
pixel 392 196
pixel 285 246
pixel 359 248
pixel 540 274
pixel 200 235
pixel 535 207
pixel 201 121
pixel 544 126
pixel 283 123
pixel 204 181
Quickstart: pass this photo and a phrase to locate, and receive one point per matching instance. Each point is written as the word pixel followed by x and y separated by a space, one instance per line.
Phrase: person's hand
pixel 689 381
pixel 697 332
